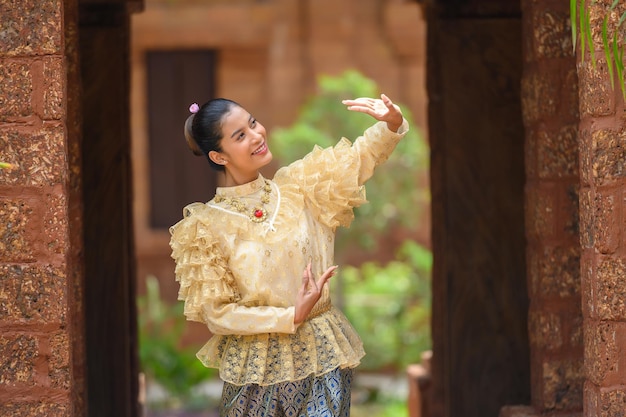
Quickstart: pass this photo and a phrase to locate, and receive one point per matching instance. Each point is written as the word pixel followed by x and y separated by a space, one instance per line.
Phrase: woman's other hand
pixel 381 109
pixel 310 292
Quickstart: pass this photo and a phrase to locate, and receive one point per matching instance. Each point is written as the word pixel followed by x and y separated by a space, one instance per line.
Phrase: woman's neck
pixel 228 179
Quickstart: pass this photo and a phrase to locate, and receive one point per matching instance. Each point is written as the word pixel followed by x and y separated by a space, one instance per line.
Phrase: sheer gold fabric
pixel 241 278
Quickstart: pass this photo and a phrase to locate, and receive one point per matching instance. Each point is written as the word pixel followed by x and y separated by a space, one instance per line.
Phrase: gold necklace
pixel 258 214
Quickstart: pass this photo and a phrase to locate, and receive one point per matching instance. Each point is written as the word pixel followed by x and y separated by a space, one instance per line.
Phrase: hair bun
pixel 191 142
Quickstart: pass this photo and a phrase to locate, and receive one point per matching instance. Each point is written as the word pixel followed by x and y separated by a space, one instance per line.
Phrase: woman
pixel 254 261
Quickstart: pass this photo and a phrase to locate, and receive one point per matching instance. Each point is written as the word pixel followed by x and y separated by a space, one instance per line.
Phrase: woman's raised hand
pixel 381 109
pixel 310 292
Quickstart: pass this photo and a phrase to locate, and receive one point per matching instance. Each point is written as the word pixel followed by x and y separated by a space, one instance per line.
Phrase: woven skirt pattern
pixel 327 395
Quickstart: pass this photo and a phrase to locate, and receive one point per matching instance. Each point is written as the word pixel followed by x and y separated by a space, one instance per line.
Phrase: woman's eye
pixel 253 123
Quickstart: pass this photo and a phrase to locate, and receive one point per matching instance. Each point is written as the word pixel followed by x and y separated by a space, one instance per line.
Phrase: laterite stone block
pixel 563 384
pixel 558 271
pixel 606 224
pixel 545 330
pixel 611 288
pixel 605 402
pixel 597 96
pixel 16 88
pixel 59 365
pixel 56 224
pixel 18 354
pixel 609 156
pixel 552 34
pixel 587 212
pixel 539 96
pixel 35 409
pixel 32 293
pixel 54 77
pixel 33 28
pixel 15 245
pixel 601 350
pixel 40 156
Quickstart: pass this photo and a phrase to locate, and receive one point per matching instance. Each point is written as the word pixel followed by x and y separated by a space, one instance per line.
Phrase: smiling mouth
pixel 260 149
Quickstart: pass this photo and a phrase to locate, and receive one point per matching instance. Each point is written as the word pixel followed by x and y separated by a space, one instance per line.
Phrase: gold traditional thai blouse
pixel 241 277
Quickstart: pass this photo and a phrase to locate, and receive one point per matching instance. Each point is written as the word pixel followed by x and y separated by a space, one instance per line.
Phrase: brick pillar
pixel 550 110
pixel 41 337
pixel 603 232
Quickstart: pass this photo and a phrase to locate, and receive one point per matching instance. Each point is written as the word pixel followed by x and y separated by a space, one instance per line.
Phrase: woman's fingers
pixel 310 284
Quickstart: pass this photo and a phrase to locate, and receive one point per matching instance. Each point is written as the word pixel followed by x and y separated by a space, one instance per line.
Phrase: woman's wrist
pixel 393 126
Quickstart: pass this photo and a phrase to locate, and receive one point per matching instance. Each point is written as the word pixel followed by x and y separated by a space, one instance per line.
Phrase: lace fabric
pixel 320 345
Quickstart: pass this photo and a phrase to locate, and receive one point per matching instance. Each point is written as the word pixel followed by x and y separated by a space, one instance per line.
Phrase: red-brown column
pixel 550 107
pixel 603 231
pixel 41 339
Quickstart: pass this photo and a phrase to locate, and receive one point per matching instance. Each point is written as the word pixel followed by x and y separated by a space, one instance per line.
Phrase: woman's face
pixel 244 146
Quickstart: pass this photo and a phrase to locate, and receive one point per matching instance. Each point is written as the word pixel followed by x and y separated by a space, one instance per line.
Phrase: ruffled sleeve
pixel 332 179
pixel 207 284
pixel 201 270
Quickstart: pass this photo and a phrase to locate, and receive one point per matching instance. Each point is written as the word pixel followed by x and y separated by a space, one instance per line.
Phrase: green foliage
pixel 390 307
pixel 398 190
pixel 381 408
pixel 612 42
pixel 162 359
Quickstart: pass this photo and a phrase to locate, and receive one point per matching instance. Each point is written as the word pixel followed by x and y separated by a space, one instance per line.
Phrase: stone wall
pixel 550 109
pixel 603 229
pixel 41 340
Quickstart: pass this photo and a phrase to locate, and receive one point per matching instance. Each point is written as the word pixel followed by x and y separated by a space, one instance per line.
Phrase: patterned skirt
pixel 326 395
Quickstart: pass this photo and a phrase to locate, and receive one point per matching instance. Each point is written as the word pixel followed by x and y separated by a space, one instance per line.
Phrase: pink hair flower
pixel 194 108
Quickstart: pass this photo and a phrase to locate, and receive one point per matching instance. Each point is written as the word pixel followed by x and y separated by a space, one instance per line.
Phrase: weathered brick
pixel 33 28
pixel 569 212
pixel 601 350
pixel 16 87
pixel 545 330
pixel 559 271
pixel 596 92
pixel 563 384
pixel 597 12
pixel 541 210
pixel 558 152
pixel 587 280
pixel 587 232
pixel 552 34
pixel 33 293
pixel 613 402
pixel 15 244
pixel 611 288
pixel 604 401
pixel 606 225
pixel 41 408
pixel 585 149
pixel 54 82
pixel 18 354
pixel 575 330
pixel 59 365
pixel 539 95
pixel 39 155
pixel 56 223
pixel 609 155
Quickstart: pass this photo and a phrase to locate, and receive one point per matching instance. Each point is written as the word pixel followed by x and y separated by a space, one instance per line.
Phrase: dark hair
pixel 203 129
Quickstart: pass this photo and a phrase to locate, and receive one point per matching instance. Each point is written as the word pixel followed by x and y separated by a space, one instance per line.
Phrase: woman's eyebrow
pixel 240 129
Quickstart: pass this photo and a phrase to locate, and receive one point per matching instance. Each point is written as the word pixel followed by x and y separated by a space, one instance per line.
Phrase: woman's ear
pixel 217 158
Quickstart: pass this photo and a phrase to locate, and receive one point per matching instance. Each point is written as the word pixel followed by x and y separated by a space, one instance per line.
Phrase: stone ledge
pixel 529 411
